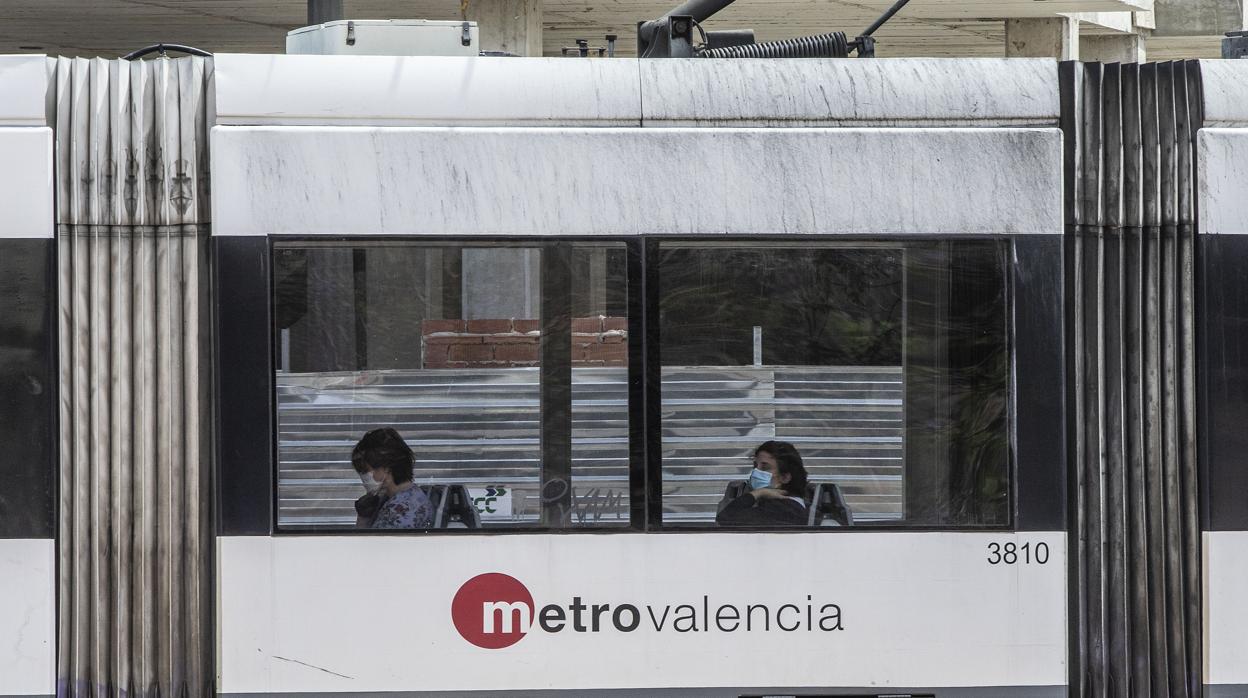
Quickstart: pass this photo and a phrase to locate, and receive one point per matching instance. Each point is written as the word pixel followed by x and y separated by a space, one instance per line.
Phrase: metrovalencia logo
pixel 495 610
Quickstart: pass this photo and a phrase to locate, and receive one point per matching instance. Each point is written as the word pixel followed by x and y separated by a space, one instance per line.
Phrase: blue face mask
pixel 759 479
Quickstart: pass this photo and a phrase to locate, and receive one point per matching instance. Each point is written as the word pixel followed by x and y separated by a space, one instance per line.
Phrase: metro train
pixel 996 306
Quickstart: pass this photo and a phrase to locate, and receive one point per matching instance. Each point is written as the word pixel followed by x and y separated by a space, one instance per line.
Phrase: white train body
pixel 355 152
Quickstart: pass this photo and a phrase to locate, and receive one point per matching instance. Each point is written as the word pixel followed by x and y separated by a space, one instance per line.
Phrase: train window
pixel 886 367
pixel 504 368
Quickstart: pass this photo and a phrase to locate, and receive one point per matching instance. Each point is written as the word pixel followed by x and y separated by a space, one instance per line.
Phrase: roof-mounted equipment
pixel 672 36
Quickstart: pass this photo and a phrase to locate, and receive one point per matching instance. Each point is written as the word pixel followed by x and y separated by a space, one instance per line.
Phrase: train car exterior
pixel 649 156
pixel 584 291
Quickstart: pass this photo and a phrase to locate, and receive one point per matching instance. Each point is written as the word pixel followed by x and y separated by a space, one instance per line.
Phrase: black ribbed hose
pixel 832 45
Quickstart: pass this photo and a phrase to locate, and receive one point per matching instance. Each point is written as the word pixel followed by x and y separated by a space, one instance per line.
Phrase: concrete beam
pixel 1173 48
pixel 511 26
pixel 1093 23
pixel 1112 48
pixel 1113 37
pixel 1199 17
pixel 1049 37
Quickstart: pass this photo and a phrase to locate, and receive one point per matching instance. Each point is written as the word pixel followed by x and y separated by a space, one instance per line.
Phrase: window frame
pixel 1026 473
pixel 636 442
pixel 654 437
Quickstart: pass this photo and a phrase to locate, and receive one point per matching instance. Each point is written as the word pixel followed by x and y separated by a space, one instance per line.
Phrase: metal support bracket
pixel 666 37
pixel 865 46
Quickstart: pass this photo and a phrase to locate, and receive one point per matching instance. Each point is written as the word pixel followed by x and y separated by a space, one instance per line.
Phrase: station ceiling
pixel 115 27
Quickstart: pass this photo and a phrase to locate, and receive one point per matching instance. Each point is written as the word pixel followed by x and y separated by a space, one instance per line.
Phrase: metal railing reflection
pixel 480 428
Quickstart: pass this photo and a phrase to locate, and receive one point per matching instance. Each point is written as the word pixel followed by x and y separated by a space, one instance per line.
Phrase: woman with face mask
pixel 777 495
pixel 384 463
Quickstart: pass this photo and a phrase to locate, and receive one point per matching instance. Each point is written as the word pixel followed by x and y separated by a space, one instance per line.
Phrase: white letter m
pixel 508 610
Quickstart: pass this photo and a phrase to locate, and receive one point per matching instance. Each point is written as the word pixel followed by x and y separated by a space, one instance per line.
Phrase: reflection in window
pixel 887 368
pixel 445 345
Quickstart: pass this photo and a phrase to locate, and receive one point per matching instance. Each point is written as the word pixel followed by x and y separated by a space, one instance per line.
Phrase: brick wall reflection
pixel 514 343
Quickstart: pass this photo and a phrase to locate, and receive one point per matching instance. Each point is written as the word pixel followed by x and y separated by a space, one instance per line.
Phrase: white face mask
pixel 760 479
pixel 369 483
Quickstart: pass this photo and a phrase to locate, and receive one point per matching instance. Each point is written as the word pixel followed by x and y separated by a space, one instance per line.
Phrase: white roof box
pixel 386 37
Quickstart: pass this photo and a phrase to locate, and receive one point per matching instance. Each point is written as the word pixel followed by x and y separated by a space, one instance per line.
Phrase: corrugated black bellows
pixel 1135 568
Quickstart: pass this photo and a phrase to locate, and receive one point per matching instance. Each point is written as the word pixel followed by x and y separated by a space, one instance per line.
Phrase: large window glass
pixel 503 368
pixel 884 368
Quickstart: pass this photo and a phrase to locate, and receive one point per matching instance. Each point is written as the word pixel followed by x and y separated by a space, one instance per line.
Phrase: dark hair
pixel 788 462
pixel 384 448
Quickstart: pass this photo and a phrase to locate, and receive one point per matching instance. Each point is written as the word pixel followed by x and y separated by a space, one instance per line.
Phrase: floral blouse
pixel 409 508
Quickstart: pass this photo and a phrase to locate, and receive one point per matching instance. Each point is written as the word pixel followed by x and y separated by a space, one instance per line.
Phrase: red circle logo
pixel 492 610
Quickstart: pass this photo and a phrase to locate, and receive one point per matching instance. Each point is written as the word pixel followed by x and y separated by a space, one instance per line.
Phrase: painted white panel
pixel 23 90
pixel 1225 84
pixel 444 91
pixel 27 617
pixel 425 91
pixel 437 181
pixel 1226 607
pixel 1222 157
pixel 343 613
pixel 26 185
pixel 806 92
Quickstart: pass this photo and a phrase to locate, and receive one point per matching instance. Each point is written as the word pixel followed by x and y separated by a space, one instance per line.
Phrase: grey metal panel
pixel 481 427
pixel 478 427
pixel 847 422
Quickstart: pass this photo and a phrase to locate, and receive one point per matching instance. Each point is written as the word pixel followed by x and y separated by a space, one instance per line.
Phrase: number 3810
pixel 1013 554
